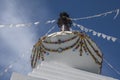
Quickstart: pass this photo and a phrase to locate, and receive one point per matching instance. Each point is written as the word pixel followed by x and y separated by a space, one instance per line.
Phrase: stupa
pixel 65 55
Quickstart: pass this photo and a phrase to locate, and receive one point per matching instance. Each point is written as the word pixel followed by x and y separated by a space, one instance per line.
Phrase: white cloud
pixel 19 40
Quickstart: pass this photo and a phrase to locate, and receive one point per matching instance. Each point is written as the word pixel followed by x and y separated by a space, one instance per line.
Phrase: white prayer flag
pixel 74 24
pixel 48 22
pixel 86 30
pixel 104 36
pixel 90 30
pixel 36 23
pixel 94 33
pixel 2 26
pixel 82 28
pixel 20 25
pixel 113 39
pixel 17 25
pixel 98 34
pixel 52 21
pixel 6 70
pixel 108 37
pixel 78 25
pixel 10 66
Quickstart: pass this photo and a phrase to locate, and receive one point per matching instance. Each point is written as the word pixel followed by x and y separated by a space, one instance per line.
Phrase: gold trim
pixel 92 54
pixel 52 50
pixel 57 42
pixel 94 49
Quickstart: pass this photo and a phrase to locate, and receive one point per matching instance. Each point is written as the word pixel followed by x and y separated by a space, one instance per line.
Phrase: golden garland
pixel 39 49
pixel 94 49
pixel 59 42
pixel 95 59
pixel 63 49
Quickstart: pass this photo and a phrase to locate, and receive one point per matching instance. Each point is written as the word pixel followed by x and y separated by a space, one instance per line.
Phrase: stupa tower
pixel 65 55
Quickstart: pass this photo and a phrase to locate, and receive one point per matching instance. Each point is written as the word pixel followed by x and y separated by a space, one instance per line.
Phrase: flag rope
pixel 95 33
pixel 113 68
pixel 99 15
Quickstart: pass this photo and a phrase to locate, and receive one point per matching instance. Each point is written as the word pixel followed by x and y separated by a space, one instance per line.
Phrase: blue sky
pixel 16 41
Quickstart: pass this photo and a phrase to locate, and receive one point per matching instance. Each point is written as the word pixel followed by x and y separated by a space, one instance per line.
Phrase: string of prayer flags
pixel 99 15
pixel 95 33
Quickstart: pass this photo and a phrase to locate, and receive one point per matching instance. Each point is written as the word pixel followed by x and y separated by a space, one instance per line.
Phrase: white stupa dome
pixel 73 49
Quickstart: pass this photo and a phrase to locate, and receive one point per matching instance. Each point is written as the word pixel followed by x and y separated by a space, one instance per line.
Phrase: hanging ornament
pixel 59 41
pixel 81 51
pixel 86 53
pixel 76 47
pixel 47 53
pixel 60 50
pixel 73 49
